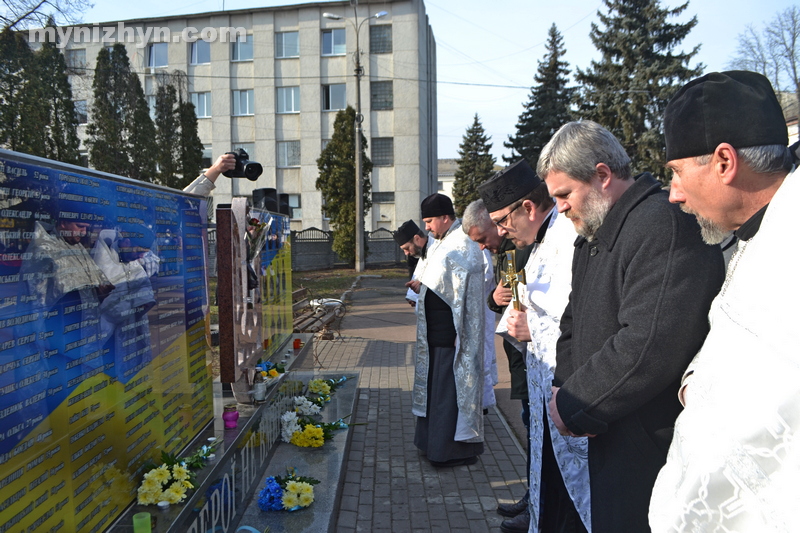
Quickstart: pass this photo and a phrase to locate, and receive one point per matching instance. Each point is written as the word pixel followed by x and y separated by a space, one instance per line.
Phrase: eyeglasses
pixel 499 223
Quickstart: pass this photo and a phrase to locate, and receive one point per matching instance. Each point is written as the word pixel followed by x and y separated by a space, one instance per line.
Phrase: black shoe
pixel 513 509
pixel 519 524
pixel 455 462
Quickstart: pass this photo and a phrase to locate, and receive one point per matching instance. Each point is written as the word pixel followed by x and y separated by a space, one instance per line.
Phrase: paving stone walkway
pixel 388 485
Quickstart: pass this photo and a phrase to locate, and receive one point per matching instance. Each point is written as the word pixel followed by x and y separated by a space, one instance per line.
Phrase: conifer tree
pixel 639 71
pixel 475 165
pixel 548 107
pixel 141 134
pixel 336 182
pixel 59 121
pixel 191 148
pixel 20 112
pixel 167 135
pixel 121 135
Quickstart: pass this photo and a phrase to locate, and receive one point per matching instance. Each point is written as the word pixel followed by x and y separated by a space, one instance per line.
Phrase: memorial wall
pixel 103 339
pixel 276 282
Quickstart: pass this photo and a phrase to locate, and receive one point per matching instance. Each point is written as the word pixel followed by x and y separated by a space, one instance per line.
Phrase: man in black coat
pixel 642 284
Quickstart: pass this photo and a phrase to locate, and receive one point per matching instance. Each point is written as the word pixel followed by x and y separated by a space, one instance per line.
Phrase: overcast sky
pixel 488 52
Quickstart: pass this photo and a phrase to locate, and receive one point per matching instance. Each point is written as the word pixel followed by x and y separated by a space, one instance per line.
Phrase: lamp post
pixel 359 71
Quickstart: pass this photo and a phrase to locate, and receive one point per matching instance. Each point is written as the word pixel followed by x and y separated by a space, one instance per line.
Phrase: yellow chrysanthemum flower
pixel 187 484
pixel 273 373
pixel 180 472
pixel 306 500
pixel 175 493
pixel 293 486
pixel 289 500
pixel 160 474
pixel 305 488
pixel 148 497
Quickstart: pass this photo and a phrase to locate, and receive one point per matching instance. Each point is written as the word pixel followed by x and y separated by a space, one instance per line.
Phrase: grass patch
pixel 332 283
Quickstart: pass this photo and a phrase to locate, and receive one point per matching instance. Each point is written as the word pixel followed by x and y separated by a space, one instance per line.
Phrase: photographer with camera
pixel 204 183
pixel 231 165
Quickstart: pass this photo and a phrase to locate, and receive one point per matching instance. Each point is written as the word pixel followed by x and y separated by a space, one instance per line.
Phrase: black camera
pixel 244 167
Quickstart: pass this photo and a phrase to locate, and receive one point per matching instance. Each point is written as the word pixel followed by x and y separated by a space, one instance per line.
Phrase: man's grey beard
pixel 593 214
pixel 710 232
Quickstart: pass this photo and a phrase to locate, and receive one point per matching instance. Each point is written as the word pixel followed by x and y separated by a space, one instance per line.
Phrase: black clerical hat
pixel 736 107
pixel 437 205
pixel 406 232
pixel 509 185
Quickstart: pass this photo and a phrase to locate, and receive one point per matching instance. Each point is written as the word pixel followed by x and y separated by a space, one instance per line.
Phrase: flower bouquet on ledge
pixel 306 432
pixel 288 493
pixel 170 481
pixel 323 388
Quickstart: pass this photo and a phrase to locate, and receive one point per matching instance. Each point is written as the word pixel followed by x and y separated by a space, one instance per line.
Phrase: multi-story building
pixel 275 90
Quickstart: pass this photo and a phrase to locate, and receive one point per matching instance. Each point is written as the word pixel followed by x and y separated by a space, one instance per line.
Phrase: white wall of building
pixel 411 123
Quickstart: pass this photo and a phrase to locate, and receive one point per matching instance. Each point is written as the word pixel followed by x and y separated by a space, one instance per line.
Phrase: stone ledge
pixel 325 464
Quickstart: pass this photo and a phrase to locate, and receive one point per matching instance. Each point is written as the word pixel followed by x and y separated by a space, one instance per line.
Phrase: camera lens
pixel 253 170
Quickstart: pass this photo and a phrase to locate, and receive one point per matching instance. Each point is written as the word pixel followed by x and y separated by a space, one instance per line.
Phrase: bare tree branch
pixel 774 52
pixel 17 14
pixel 783 36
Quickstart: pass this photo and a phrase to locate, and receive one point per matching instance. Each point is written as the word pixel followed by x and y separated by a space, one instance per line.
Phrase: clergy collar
pixel 749 229
pixel 545 224
pixel 643 186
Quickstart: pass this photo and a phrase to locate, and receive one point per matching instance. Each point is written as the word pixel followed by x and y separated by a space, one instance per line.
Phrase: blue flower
pixel 269 499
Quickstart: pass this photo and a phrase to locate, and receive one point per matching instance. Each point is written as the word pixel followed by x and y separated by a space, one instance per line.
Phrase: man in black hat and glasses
pixel 734 462
pixel 523 211
pixel 449 377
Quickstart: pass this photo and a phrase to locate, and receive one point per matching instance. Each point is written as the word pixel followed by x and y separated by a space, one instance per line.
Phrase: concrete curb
pixel 348 294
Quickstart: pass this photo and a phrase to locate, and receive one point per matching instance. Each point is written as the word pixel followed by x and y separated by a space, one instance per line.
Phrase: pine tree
pixel 336 182
pixel 475 165
pixel 121 135
pixel 141 133
pixel 548 107
pixel 191 148
pixel 20 111
pixel 167 135
pixel 628 89
pixel 59 127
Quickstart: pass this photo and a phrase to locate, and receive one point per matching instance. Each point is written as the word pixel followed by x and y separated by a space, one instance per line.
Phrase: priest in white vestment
pixel 734 462
pixel 519 204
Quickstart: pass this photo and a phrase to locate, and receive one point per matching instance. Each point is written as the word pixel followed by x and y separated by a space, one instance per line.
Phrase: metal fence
pixel 312 249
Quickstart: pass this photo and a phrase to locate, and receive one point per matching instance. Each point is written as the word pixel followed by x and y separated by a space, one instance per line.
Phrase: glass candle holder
pixel 141 523
pixel 230 416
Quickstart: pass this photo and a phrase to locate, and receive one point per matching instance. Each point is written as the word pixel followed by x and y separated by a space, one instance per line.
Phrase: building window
pixel 289 153
pixel 439 185
pixel 151 105
pixel 382 95
pixel 288 99
pixel 382 151
pixel 334 97
pixel 201 52
pixel 295 206
pixel 76 61
pixel 250 148
pixel 84 158
pixel 333 42
pixel 287 44
pixel 81 111
pixel 207 155
pixel 380 39
pixel 157 55
pixel 383 197
pixel 242 102
pixel 325 143
pixel 202 104
pixel 242 48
